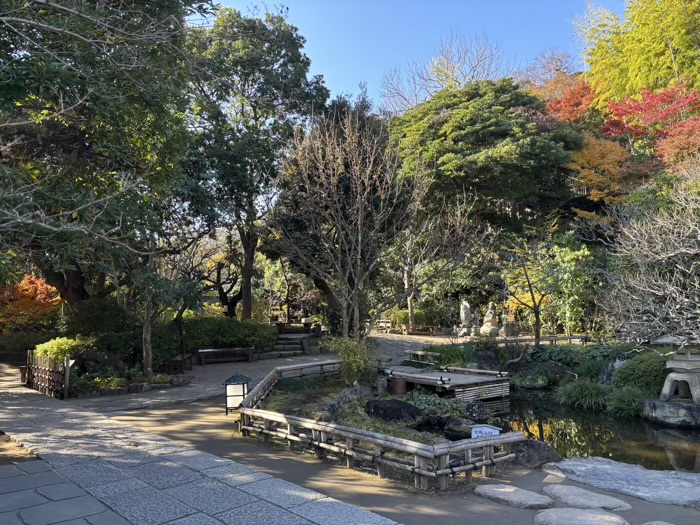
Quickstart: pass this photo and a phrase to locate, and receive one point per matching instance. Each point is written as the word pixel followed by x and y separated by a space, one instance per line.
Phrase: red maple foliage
pixel 574 102
pixel 654 115
pixel 680 142
pixel 27 304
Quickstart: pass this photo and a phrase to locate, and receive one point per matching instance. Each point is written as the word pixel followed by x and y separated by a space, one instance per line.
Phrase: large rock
pixel 577 517
pixel 534 454
pixel 476 411
pixel 93 362
pixel 486 360
pixel 393 410
pixel 585 499
pixel 613 366
pixel 329 411
pixel 458 428
pixel 515 497
pixel 672 413
pixel 658 486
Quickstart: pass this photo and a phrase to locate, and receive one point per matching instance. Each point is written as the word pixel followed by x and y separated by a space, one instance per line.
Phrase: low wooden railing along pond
pixel 425 462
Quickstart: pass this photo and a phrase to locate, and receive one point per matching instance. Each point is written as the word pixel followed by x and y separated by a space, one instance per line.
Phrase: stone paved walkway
pixel 97 470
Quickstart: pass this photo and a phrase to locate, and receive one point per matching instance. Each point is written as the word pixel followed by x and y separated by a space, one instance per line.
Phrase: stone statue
pixel 475 326
pixel 490 326
pixel 465 314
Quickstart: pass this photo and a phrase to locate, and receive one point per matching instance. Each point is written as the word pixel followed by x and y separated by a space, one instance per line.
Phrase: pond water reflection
pixel 629 440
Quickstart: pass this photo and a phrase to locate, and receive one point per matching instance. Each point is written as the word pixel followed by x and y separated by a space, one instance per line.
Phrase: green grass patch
pixel 301 397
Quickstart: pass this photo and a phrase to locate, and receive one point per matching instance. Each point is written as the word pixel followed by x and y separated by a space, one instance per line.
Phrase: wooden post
pixel 266 426
pixel 421 481
pixel 349 459
pixel 317 436
pixel 442 464
pixel 66 373
pixel 380 466
pixel 488 454
pixel 290 431
pixel 468 474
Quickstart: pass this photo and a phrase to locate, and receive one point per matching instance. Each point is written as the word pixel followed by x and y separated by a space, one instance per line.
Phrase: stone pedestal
pixel 672 413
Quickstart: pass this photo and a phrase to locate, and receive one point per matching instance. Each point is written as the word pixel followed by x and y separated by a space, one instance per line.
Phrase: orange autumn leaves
pixel 27 304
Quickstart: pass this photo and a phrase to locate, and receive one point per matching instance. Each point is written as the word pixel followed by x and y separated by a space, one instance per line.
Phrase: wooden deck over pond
pixel 487 386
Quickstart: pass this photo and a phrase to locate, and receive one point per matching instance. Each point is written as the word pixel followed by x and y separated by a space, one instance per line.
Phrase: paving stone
pixel 578 517
pixel 10 471
pixel 229 470
pixel 261 513
pixel 32 467
pixel 164 474
pixel 79 521
pixel 197 460
pixel 235 481
pixel 585 499
pixel 657 523
pixel 327 510
pixel 130 458
pixel 210 496
pixel 280 492
pixel 201 519
pixel 20 500
pixel 92 473
pixel 61 491
pixel 118 487
pixel 62 459
pixel 513 496
pixel 148 506
pixel 29 481
pixel 10 518
pixel 57 511
pixel 106 518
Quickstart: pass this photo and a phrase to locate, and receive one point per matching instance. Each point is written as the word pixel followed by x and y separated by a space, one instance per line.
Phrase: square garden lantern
pixel 236 390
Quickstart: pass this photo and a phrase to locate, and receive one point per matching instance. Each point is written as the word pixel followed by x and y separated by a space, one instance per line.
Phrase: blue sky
pixel 355 41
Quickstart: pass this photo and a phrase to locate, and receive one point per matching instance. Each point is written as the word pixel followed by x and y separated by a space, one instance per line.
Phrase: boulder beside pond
pixel 393 410
pixel 476 411
pixel 533 454
pixel 93 362
pixel 458 428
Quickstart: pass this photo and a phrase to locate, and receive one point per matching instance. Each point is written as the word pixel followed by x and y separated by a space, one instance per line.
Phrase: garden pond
pixel 576 434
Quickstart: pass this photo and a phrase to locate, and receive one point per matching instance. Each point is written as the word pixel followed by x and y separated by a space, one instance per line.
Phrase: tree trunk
pixel 538 326
pixel 249 242
pixel 335 315
pixel 69 283
pixel 147 339
pixel 410 299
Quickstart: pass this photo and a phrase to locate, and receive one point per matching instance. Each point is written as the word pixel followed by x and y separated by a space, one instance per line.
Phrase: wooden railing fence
pixel 47 375
pixel 425 462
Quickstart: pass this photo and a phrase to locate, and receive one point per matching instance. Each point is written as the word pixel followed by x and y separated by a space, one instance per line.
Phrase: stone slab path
pixel 585 499
pixel 578 517
pixel 514 496
pixel 659 486
pixel 100 471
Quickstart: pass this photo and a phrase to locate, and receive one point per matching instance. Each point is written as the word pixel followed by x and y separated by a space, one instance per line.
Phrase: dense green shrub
pixel 400 318
pixel 567 355
pixel 583 395
pixel 590 369
pixel 452 355
pixel 436 406
pixel 20 342
pixel 221 332
pixel 625 402
pixel 538 376
pixel 647 372
pixel 160 379
pixel 97 316
pixel 357 358
pixel 62 347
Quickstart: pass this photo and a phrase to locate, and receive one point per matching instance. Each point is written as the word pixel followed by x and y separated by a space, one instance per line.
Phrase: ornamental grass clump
pixel 583 395
pixel 625 402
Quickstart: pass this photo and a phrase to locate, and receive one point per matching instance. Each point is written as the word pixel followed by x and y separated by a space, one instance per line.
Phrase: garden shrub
pixel 583 395
pixel 399 318
pixel 590 369
pixel 625 402
pixel 452 355
pixel 62 347
pixel 567 355
pixel 435 406
pixel 98 316
pixel 357 358
pixel 646 371
pixel 221 332
pixel 160 379
pixel 20 342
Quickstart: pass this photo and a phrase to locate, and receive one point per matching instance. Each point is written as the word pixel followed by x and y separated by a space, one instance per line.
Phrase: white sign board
pixel 484 431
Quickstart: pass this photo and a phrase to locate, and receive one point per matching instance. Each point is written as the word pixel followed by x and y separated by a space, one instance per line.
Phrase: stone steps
pixel 278 355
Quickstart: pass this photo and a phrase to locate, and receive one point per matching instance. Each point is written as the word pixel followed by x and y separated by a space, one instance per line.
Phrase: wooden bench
pixel 421 356
pixel 220 355
pixel 178 365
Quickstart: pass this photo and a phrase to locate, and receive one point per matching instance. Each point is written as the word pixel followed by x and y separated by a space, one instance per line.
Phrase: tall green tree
pixel 656 44
pixel 90 132
pixel 254 90
pixel 491 140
